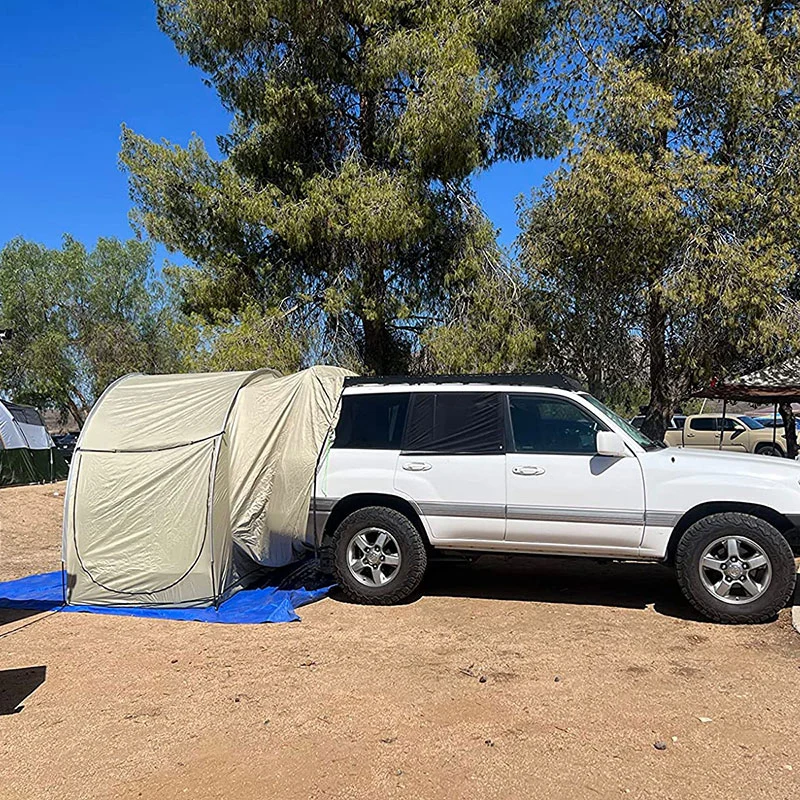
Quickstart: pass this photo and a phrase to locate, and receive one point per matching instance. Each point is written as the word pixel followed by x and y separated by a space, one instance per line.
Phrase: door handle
pixel 690 435
pixel 417 466
pixel 528 470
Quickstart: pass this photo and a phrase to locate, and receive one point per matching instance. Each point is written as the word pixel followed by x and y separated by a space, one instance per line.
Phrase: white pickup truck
pixel 531 464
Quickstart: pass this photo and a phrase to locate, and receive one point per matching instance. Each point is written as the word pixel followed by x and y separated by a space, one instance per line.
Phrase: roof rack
pixel 552 380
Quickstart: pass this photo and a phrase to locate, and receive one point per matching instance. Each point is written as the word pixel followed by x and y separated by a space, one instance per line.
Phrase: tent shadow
pixel 16 685
pixel 9 615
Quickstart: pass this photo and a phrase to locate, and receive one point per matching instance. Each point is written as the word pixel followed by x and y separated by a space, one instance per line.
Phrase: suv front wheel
pixel 379 556
pixel 735 568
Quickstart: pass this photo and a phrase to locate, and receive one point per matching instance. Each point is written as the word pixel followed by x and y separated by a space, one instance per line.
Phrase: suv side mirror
pixel 611 444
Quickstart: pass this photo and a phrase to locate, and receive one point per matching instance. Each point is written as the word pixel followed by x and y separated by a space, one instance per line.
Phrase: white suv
pixel 531 464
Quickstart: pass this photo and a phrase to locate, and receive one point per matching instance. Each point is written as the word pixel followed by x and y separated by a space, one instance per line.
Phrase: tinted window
pixel 455 422
pixel 551 425
pixel 371 421
pixel 703 424
pixel 751 423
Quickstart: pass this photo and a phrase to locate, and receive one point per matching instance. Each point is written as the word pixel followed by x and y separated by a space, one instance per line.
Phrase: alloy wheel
pixel 373 556
pixel 735 570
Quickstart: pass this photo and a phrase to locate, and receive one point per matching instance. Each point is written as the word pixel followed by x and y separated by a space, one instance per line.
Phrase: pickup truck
pixel 737 432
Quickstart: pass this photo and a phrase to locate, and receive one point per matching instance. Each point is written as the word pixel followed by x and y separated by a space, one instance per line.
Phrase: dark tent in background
pixel 27 452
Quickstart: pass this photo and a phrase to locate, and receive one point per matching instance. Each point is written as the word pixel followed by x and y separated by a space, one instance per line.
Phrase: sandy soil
pixel 586 667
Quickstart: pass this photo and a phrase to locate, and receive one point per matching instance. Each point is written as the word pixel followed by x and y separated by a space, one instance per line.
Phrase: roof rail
pixel 552 380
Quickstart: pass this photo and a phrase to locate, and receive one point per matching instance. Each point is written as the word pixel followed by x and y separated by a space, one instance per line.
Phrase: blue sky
pixel 72 72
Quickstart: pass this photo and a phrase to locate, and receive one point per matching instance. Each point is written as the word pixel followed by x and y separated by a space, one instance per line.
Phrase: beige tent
pixel 182 486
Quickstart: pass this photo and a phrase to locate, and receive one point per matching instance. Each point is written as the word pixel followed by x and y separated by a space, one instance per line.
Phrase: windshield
pixel 750 422
pixel 636 435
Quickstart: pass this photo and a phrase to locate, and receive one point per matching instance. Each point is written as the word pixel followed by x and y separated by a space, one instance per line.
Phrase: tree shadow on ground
pixel 18 684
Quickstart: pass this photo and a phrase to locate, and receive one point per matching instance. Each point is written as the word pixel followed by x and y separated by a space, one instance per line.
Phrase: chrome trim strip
pixel 323 504
pixel 661 519
pixel 439 508
pixel 582 515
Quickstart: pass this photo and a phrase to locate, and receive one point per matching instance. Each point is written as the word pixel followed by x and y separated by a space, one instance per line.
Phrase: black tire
pixel 410 545
pixel 769 449
pixel 703 534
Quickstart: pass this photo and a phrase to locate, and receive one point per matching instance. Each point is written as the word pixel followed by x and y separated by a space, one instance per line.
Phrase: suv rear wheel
pixel 735 568
pixel 379 556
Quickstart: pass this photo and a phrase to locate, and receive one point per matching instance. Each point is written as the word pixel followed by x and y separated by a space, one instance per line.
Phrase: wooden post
pixel 774 422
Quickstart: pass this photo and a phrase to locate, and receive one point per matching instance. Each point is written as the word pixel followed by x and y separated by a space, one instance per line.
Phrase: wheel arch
pixel 770 515
pixel 761 446
pixel 352 502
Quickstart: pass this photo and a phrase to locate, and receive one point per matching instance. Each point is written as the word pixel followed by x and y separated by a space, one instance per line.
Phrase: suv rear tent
pixel 182 486
pixel 27 453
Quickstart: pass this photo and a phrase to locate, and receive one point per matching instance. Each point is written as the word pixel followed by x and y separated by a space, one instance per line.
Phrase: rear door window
pixel 372 421
pixel 703 424
pixel 455 422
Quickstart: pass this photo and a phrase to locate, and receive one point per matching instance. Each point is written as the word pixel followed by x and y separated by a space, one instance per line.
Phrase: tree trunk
pixel 78 413
pixel 789 428
pixel 659 411
pixel 378 347
pixel 594 383
pixel 376 356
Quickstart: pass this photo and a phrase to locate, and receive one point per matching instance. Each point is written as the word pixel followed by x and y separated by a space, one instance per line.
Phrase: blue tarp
pixel 270 603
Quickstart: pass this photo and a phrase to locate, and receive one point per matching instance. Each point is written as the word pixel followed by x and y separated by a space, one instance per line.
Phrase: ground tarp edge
pixel 263 603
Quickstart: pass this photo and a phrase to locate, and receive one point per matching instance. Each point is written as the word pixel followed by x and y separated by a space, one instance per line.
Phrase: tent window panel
pixel 24 414
pixel 455 422
pixel 372 421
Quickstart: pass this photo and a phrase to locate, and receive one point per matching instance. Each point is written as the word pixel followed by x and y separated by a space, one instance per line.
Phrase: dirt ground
pixel 586 667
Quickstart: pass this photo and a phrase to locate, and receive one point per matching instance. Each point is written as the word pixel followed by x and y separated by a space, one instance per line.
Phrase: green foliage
pixel 490 322
pixel 250 341
pixel 356 127
pixel 80 320
pixel 671 236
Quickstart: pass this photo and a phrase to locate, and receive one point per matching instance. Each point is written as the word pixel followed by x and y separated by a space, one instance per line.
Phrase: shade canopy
pixel 777 384
pixel 182 486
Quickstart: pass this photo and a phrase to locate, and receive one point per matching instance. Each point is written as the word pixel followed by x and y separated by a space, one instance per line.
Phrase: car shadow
pixel 16 685
pixel 573 581
pixel 552 579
